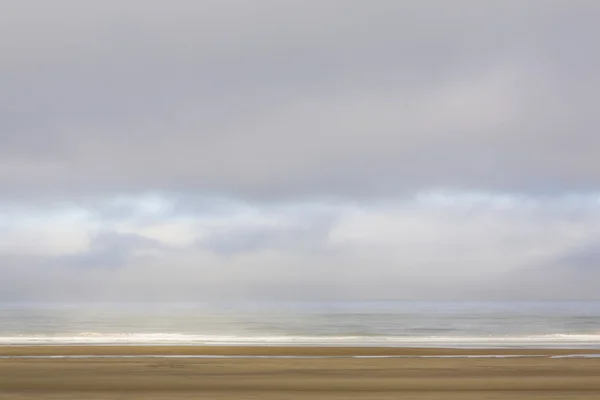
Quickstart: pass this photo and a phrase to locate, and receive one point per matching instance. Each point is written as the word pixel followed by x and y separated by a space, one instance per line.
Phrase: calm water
pixel 421 324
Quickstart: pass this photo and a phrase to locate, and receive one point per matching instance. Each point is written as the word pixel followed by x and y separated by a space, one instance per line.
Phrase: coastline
pixel 334 373
pixel 289 351
pixel 531 378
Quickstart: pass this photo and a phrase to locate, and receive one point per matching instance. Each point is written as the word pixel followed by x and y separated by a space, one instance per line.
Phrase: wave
pixel 96 338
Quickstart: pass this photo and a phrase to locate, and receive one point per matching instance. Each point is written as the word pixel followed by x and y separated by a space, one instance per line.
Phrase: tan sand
pixel 337 378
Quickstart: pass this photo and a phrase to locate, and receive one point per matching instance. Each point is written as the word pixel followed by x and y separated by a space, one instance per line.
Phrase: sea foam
pixel 95 338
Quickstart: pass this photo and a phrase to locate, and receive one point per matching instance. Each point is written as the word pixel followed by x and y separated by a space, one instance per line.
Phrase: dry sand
pixel 331 378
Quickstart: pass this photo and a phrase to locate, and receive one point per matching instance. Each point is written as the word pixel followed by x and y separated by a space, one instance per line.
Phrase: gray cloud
pixel 586 258
pixel 291 148
pixel 270 99
pixel 571 274
pixel 307 236
pixel 108 250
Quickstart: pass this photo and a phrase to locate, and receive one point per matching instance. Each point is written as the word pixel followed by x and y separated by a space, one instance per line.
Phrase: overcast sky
pixel 298 149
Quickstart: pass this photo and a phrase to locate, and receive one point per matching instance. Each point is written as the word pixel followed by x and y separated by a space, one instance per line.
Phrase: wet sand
pixel 319 378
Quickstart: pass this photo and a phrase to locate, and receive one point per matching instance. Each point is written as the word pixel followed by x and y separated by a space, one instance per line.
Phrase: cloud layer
pixel 294 149
pixel 433 247
pixel 270 99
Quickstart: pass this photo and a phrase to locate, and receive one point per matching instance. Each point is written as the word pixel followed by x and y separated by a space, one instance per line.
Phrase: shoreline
pixel 299 373
pixel 278 351
pixel 530 378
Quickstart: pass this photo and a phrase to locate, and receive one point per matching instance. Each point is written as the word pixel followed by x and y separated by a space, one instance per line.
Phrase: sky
pixel 299 150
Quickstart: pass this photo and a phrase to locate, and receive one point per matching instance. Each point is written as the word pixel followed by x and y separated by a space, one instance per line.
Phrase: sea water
pixel 397 324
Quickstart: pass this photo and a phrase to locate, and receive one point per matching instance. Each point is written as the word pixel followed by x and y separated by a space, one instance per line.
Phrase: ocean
pixel 398 324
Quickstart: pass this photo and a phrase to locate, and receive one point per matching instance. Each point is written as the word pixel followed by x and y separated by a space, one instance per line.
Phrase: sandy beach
pixel 535 377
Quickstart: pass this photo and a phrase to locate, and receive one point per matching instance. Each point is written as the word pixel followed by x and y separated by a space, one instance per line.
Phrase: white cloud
pixel 444 245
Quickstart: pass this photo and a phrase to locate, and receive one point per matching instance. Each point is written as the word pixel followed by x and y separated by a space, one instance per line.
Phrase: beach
pixel 381 350
pixel 283 373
